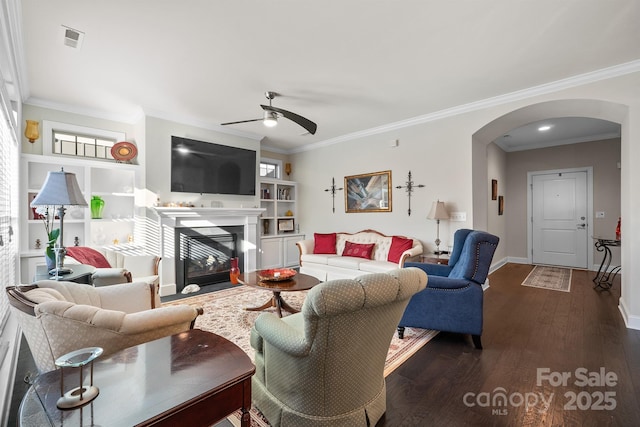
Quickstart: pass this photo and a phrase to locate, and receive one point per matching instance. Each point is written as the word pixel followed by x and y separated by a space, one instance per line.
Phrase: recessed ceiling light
pixel 544 128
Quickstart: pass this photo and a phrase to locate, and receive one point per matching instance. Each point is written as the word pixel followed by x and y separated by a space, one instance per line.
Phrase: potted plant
pixel 48 219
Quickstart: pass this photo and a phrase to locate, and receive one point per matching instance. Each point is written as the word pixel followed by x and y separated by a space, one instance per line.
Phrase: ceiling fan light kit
pixel 270 119
pixel 271 114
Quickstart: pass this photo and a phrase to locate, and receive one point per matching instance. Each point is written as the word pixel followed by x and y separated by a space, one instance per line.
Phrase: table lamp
pixel 438 212
pixel 60 189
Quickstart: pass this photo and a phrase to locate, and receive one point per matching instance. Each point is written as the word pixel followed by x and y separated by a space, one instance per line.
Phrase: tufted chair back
pixel 324 366
pixel 473 260
pixel 59 317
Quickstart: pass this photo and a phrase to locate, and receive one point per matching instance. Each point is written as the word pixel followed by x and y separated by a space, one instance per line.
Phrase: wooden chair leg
pixel 477 341
pixel 401 332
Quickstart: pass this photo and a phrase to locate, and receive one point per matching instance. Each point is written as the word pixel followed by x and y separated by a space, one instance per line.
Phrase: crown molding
pixel 578 80
pixel 98 114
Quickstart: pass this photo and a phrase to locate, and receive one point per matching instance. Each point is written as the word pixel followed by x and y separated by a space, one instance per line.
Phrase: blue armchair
pixel 452 300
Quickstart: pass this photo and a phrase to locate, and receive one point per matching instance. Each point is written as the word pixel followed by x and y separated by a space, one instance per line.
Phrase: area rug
pixel 224 315
pixel 554 278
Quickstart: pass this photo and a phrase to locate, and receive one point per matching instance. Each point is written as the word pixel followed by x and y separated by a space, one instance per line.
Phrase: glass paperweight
pixel 82 394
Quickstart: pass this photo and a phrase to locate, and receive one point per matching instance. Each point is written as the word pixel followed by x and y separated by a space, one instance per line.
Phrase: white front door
pixel 559 219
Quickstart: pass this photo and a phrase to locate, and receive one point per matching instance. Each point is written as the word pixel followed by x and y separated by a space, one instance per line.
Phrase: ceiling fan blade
pixel 241 121
pixel 304 122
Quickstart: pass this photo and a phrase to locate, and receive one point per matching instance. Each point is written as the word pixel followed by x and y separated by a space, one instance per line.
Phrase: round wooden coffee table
pixel 300 282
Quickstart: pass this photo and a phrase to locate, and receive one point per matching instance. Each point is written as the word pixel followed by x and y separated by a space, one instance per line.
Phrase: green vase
pixel 97 204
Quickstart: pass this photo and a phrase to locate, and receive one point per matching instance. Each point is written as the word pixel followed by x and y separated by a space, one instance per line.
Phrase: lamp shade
pixel 438 211
pixel 60 188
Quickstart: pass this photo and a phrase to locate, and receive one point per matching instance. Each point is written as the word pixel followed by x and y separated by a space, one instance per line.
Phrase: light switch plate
pixel 458 216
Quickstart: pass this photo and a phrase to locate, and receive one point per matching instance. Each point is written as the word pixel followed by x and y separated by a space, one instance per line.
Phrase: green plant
pixel 48 217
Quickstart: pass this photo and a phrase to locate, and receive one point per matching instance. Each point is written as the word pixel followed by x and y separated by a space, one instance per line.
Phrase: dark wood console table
pixel 194 378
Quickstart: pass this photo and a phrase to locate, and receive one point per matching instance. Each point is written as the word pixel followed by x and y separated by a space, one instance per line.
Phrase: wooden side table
pixel 435 259
pixel 193 378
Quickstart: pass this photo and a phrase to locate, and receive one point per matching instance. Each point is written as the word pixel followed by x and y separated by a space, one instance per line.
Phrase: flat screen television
pixel 205 167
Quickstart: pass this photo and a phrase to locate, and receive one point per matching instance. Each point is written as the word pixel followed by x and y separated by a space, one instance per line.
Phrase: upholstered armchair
pixel 113 267
pixel 453 301
pixel 59 317
pixel 324 366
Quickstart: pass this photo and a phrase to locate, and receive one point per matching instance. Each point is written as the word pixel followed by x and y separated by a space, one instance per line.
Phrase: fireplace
pixel 203 254
pixel 172 218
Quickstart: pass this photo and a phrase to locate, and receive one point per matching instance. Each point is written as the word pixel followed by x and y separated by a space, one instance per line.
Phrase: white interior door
pixel 559 219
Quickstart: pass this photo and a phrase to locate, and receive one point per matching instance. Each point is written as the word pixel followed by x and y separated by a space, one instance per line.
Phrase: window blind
pixel 8 215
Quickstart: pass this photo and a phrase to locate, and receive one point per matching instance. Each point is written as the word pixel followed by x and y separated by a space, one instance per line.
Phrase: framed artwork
pixel 500 205
pixel 369 192
pixel 285 225
pixel 494 189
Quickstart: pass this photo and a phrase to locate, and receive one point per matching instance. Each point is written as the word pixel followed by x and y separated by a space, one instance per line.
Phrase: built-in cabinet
pixel 114 182
pixel 279 224
pixel 280 251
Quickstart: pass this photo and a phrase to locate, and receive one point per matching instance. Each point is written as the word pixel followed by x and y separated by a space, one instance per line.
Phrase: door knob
pixel 582 225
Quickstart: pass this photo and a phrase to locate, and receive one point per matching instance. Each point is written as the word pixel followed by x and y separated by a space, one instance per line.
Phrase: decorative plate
pixel 276 274
pixel 124 151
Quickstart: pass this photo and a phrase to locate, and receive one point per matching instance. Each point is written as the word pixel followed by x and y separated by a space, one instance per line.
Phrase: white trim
pixel 632 322
pixel 47 133
pixel 581 79
pixel 84 111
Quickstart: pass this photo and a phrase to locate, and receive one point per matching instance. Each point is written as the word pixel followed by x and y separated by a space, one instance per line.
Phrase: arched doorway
pixel 482 217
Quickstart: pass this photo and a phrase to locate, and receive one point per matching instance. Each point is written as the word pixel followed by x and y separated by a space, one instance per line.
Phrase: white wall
pixel 449 155
pixel 428 157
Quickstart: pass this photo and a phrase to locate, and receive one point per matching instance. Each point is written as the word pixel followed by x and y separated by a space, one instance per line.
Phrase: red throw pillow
pixel 324 243
pixel 398 246
pixel 89 256
pixel 359 250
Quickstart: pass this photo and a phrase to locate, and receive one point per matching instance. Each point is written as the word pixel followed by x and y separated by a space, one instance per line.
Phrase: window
pixel 270 168
pixel 78 141
pixel 82 146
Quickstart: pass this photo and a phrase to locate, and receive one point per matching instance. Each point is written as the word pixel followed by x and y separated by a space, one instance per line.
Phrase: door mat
pixel 554 278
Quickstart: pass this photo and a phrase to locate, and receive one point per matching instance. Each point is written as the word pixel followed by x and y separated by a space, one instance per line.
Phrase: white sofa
pixel 336 266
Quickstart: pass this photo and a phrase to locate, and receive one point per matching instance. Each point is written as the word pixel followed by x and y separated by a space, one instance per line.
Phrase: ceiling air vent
pixel 72 38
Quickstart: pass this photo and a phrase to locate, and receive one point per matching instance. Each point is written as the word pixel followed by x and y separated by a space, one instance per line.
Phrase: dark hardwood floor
pixel 525 329
pixel 576 334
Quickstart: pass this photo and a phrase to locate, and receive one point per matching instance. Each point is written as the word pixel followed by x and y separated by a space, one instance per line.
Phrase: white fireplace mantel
pixel 171 218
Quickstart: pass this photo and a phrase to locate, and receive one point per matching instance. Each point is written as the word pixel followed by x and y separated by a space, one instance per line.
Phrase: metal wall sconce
pixel 333 190
pixel 287 168
pixel 409 186
pixel 31 131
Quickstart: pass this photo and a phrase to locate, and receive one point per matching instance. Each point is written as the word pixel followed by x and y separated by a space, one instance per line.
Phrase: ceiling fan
pixel 271 115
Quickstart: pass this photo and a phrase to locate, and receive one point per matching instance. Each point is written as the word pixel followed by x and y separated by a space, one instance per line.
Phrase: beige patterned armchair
pixel 59 317
pixel 324 366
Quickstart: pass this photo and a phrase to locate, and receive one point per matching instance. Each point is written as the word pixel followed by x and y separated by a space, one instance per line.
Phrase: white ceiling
pixel 349 66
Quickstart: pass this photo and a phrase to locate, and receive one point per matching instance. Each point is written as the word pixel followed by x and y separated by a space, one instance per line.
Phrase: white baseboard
pixel 632 322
